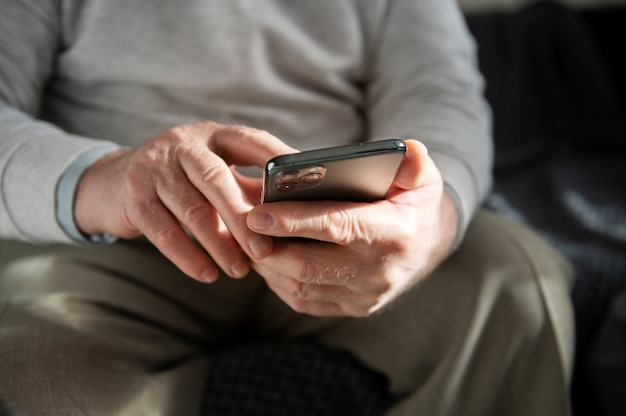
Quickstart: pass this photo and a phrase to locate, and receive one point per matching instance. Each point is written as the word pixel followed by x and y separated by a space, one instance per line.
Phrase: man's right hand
pixel 182 178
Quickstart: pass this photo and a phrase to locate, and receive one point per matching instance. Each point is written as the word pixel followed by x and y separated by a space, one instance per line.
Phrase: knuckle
pixel 342 227
pixel 383 285
pixel 299 305
pixel 296 290
pixel 178 133
pixel 250 133
pixel 405 241
pixel 309 272
pixel 196 212
pixel 183 142
pixel 208 125
pixel 213 173
pixel 298 296
pixel 172 139
pixel 167 238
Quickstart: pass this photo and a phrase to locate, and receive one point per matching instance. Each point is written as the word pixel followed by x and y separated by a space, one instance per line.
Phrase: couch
pixel 556 80
pixel 556 83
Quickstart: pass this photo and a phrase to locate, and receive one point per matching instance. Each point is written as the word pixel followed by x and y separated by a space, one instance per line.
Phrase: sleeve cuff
pixel 460 231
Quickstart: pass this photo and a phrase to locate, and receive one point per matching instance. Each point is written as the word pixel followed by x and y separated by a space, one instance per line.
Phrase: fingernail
pixel 259 245
pixel 261 221
pixel 208 276
pixel 239 269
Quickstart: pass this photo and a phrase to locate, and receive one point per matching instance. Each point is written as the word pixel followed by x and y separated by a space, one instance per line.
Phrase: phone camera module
pixel 291 180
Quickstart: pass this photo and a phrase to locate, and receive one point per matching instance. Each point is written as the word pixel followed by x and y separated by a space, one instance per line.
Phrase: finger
pixel 343 223
pixel 324 293
pixel 208 170
pixel 164 231
pixel 214 179
pixel 413 164
pixel 246 146
pixel 190 207
pixel 319 264
pixel 252 187
pixel 323 309
pixel 318 300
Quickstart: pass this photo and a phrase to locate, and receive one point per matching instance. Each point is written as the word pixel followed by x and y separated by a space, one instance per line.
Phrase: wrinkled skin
pixel 351 259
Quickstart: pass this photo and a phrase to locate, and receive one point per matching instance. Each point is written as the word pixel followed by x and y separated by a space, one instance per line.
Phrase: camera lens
pixel 312 178
pixel 287 176
pixel 286 186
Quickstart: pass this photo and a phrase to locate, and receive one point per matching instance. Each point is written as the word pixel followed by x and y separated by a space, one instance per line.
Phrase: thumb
pixel 413 165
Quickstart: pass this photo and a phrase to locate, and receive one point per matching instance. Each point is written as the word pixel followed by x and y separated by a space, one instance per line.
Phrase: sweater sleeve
pixel 426 86
pixel 33 154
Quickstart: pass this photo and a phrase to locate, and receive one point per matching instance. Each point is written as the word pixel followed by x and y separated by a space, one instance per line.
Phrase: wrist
pixel 67 187
pixel 94 192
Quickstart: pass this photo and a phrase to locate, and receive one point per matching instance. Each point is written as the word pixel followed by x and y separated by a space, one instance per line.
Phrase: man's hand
pixel 359 256
pixel 182 180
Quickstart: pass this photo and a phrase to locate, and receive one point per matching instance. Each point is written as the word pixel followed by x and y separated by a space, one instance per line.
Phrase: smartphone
pixel 361 173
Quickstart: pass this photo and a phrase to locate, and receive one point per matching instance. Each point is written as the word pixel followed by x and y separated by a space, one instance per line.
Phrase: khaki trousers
pixel 117 330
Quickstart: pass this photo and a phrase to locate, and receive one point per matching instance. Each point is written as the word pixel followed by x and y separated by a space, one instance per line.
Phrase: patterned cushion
pixel 292 378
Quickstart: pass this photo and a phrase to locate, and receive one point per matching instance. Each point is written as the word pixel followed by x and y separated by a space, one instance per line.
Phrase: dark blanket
pixel 555 82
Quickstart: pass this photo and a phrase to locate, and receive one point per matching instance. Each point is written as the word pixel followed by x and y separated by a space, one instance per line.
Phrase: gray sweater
pixel 80 78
